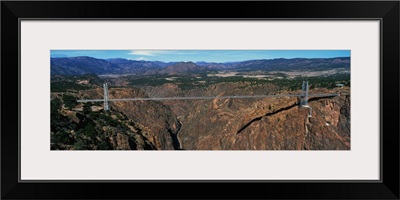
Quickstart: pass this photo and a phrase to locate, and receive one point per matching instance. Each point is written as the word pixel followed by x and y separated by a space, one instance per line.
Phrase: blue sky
pixel 201 55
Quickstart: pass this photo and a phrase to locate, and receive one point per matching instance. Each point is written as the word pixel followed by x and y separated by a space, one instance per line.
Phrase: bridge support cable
pixel 206 97
pixel 303 97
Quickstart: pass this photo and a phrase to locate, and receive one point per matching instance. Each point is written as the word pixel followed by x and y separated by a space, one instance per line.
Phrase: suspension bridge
pixel 303 97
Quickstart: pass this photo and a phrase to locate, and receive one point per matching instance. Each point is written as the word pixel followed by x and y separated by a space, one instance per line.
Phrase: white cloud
pixel 142 58
pixel 158 52
pixel 147 52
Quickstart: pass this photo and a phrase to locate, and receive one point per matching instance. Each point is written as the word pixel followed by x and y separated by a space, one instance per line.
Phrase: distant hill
pixel 136 66
pixel 81 65
pixel 88 65
pixel 281 64
pixel 181 68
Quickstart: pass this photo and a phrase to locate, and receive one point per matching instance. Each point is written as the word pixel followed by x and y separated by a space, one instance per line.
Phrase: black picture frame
pixel 386 11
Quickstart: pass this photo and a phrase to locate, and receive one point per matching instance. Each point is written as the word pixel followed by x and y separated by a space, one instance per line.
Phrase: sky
pixel 200 55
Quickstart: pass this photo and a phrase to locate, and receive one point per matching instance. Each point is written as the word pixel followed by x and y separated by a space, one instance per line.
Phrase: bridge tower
pixel 105 87
pixel 304 94
pixel 304 97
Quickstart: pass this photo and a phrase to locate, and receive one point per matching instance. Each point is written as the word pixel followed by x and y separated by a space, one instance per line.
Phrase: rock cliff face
pixel 156 119
pixel 98 130
pixel 231 124
pixel 265 124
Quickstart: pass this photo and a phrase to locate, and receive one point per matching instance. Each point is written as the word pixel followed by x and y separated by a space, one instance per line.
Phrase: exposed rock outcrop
pixel 222 124
pixel 266 124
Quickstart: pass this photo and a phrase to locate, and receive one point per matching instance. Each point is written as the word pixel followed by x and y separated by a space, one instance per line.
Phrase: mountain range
pixel 89 65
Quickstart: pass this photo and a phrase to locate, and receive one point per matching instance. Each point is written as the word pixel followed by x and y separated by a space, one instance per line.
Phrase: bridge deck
pixel 207 97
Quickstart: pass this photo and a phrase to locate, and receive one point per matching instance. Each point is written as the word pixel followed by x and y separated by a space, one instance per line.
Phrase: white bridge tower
pixel 304 97
pixel 105 87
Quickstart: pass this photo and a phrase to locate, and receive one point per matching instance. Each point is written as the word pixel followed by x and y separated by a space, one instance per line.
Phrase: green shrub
pixel 104 145
pixel 80 145
pixel 69 101
pixel 90 130
pixel 55 105
pixel 87 108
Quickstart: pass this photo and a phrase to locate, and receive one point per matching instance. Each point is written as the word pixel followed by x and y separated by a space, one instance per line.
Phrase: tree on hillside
pixel 69 101
pixel 87 108
pixel 55 105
